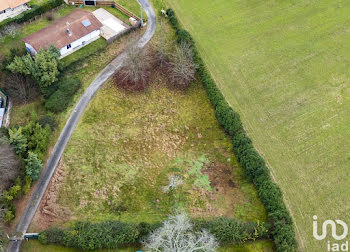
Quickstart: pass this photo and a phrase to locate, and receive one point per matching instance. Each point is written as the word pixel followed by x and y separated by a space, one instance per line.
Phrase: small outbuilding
pixel 112 26
pixel 67 34
pixel 12 8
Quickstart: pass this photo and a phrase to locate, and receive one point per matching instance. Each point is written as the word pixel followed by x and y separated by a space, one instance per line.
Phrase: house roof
pixel 57 33
pixel 5 4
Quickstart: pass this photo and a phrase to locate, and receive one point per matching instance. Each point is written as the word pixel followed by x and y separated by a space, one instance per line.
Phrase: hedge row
pixel 60 98
pixel 255 169
pixel 33 12
pixel 113 234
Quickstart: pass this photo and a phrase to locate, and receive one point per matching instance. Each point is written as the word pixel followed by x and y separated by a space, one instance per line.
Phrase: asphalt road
pixel 72 122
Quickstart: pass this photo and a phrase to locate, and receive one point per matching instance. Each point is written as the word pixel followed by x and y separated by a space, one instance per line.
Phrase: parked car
pixel 1 102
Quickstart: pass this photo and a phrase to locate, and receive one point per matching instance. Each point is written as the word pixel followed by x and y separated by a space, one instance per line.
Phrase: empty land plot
pixel 285 67
pixel 127 147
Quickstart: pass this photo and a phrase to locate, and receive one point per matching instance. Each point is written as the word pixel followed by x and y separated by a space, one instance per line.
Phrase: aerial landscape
pixel 174 125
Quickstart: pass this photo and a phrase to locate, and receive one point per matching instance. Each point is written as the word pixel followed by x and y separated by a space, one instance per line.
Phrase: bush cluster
pixel 113 234
pixel 30 143
pixel 255 169
pixel 61 98
pixel 89 236
pixel 232 231
pixel 19 188
pixel 33 12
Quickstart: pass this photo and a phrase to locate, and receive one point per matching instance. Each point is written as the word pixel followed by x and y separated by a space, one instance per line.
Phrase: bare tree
pixel 177 235
pixel 162 47
pixel 10 29
pixel 174 182
pixel 20 88
pixel 182 68
pixel 136 71
pixel 9 164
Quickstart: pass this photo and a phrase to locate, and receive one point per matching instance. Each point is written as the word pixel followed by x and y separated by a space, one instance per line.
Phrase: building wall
pixel 80 43
pixel 13 12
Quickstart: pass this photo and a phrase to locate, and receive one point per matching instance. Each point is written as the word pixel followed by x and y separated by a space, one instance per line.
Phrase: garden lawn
pixel 284 66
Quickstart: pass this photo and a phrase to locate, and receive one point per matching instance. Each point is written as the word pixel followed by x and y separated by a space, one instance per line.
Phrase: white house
pixel 67 34
pixel 12 8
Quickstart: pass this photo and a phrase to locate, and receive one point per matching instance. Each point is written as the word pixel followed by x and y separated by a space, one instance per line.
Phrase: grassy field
pixel 284 65
pixel 127 145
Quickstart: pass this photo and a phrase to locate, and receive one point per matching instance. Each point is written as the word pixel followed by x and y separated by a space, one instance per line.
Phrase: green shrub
pixel 38 138
pixel 53 236
pixel 172 18
pixel 48 91
pixel 47 121
pixel 44 68
pixel 60 100
pixel 185 37
pixel 18 140
pixel 231 231
pixel 11 193
pixel 9 215
pixel 282 229
pixel 89 236
pixel 113 234
pixel 33 166
pixel 27 184
pixel 43 238
pixel 227 117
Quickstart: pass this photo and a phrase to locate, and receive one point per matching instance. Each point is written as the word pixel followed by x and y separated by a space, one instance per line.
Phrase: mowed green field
pixel 285 67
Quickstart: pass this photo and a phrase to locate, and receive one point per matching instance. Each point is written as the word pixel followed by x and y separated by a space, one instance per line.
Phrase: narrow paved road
pixel 72 122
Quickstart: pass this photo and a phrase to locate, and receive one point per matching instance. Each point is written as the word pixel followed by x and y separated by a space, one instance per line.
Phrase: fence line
pixel 108 3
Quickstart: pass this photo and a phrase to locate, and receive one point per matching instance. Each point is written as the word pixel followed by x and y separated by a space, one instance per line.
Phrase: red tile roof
pixel 57 34
pixel 5 4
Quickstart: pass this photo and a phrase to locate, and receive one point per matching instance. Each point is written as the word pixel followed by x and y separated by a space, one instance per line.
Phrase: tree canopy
pixel 44 68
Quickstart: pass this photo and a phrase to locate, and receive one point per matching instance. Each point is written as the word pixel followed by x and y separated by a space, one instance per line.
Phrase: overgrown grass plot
pixel 138 157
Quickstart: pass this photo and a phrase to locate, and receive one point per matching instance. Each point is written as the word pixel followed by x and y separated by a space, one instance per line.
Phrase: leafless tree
pixel 49 15
pixel 182 69
pixel 10 29
pixel 9 164
pixel 20 88
pixel 136 71
pixel 177 235
pixel 174 182
pixel 161 48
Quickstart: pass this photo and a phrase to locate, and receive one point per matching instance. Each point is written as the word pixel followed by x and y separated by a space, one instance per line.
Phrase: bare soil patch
pixel 50 211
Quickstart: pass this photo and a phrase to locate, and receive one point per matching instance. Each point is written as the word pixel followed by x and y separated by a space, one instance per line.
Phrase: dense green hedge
pixel 60 99
pixel 282 229
pixel 232 231
pixel 113 234
pixel 34 11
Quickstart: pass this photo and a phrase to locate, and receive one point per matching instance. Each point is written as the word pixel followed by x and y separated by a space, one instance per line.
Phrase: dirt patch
pixel 223 197
pixel 50 211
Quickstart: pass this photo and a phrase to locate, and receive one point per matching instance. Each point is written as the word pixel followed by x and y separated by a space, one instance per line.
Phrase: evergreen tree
pixel 38 138
pixel 18 140
pixel 33 166
pixel 44 68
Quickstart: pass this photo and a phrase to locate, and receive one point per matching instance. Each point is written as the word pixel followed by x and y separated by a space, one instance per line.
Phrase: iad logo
pixel 333 228
pixel 333 225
